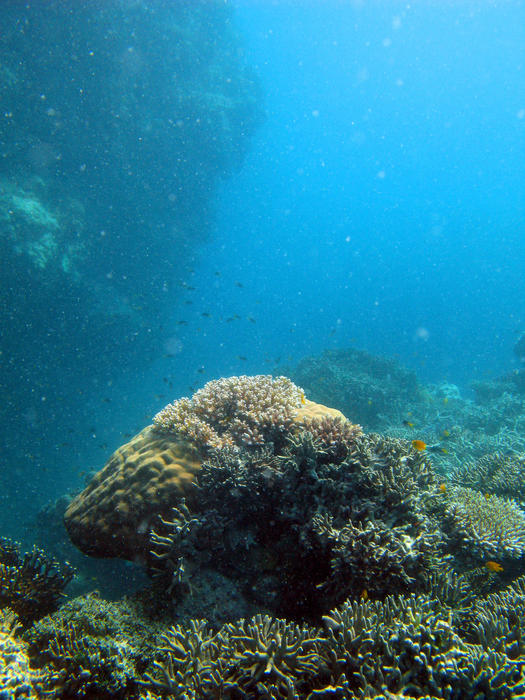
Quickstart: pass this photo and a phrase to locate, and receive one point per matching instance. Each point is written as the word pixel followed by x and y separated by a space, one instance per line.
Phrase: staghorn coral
pixel 31 584
pixel 408 645
pixel 17 678
pixel 404 646
pixel 301 530
pixel 484 527
pixel 373 558
pixel 79 666
pixel 242 411
pixel 93 648
pixel 494 473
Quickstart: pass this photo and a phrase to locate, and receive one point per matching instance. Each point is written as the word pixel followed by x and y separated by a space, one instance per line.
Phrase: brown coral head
pixel 334 433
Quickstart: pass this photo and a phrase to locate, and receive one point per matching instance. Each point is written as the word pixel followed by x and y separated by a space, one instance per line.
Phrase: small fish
pixel 435 448
pixel 369 402
pixel 242 357
pixel 443 488
pixel 408 424
pixel 206 314
pixel 251 319
pixel 239 284
pixel 303 398
pixel 364 594
pixel 419 445
pixel 201 370
pixel 182 323
pixel 446 433
pixel 445 400
pixel 494 567
pixel 487 496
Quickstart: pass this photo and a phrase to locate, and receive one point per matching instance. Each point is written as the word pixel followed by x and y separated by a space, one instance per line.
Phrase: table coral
pixel 485 526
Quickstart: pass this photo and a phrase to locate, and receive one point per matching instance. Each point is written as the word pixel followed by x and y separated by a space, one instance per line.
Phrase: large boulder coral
pixel 149 475
pixel 289 501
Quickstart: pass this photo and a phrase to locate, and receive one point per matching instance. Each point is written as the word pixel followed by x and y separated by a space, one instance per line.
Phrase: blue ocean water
pixel 379 205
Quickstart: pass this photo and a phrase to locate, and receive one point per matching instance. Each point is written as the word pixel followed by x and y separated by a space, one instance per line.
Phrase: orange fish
pixel 494 567
pixel 419 445
pixel 443 488
pixel 364 594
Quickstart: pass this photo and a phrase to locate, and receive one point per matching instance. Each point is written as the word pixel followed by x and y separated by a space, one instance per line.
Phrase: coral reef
pixel 370 389
pixel 141 480
pixel 438 645
pixel 240 411
pixel 17 678
pixel 484 527
pixel 32 585
pixel 495 473
pixel 295 557
pixel 147 477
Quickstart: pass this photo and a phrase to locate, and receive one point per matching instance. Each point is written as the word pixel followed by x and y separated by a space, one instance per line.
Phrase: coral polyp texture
pixel 241 411
pixel 142 479
pixel 148 476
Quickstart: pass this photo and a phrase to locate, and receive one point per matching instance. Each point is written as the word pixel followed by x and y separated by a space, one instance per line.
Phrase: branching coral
pixel 495 473
pixel 17 678
pixel 242 411
pixel 409 646
pixel 373 558
pixel 485 527
pixel 81 666
pixel 333 434
pixel 301 530
pixel 31 584
pixel 404 646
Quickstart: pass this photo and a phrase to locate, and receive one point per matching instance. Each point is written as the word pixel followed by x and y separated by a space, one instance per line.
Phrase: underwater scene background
pixel 262 321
